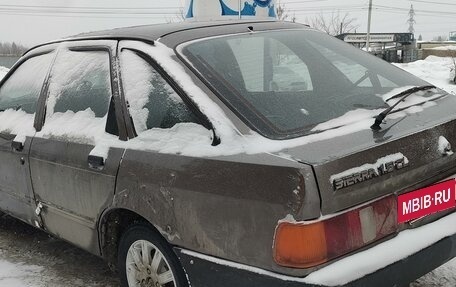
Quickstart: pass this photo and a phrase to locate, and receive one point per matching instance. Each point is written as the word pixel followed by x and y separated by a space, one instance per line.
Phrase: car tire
pixel 160 267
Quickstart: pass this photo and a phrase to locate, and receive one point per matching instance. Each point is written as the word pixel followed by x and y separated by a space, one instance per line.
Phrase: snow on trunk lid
pixel 407 154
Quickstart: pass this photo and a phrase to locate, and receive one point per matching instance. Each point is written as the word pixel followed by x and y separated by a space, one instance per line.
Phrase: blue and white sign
pixel 204 10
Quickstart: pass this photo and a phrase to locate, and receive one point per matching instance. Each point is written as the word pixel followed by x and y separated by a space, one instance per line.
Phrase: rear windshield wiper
pixel 405 94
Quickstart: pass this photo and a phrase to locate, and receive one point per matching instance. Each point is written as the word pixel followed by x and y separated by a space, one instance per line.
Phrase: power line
pixel 299 2
pixel 416 10
pixel 327 9
pixel 156 16
pixel 87 7
pixel 88 12
pixel 432 2
pixel 324 12
pixel 50 11
pixel 380 10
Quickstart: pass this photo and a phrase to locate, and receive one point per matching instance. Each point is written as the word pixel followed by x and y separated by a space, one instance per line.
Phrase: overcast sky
pixel 34 21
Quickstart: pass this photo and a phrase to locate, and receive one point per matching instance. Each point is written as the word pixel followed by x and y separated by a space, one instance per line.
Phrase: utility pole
pixel 369 18
pixel 411 21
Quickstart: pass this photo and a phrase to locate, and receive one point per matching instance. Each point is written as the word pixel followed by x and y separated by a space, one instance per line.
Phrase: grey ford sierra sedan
pixel 232 153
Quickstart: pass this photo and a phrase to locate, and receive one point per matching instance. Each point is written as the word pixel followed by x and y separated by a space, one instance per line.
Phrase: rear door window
pixel 79 95
pixel 80 82
pixel 152 102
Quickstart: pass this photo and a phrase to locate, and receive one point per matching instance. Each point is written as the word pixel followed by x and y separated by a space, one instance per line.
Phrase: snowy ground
pixel 30 258
pixel 3 72
pixel 435 70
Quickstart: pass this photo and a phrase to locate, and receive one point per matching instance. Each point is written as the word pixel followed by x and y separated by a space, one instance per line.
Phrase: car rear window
pixel 284 83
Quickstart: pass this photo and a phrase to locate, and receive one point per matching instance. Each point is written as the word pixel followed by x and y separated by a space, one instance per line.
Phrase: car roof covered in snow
pixel 176 33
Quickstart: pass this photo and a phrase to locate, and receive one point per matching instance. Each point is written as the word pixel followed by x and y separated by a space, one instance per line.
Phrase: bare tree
pixel 334 24
pixel 283 13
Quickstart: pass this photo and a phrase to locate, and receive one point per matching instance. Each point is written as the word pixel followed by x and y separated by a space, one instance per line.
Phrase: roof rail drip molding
pixel 209 10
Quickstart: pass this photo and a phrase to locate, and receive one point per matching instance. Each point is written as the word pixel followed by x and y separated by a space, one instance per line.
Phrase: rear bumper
pixel 204 271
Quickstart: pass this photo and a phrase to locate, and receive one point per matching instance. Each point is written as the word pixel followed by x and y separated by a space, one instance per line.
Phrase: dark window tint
pixel 80 81
pixel 22 89
pixel 151 100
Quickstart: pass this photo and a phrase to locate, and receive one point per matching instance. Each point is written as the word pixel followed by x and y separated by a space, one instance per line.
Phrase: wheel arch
pixel 112 224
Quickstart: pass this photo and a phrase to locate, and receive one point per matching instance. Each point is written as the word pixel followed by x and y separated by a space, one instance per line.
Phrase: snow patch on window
pixel 163 55
pixel 348 118
pixel 17 122
pixel 71 71
pixel 81 127
pixel 412 105
pixel 137 87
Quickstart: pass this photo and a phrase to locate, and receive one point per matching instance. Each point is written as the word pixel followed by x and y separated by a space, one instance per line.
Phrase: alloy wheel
pixel 146 266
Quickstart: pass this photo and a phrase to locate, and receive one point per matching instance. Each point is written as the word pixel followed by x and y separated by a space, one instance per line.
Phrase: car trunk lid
pixel 407 154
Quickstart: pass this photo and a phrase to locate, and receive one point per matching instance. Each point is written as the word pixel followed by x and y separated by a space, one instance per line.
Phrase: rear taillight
pixel 307 244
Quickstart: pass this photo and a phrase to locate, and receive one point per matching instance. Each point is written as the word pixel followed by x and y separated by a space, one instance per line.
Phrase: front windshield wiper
pixel 405 94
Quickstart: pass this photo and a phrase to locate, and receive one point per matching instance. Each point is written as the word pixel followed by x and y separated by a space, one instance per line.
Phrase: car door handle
pixel 17 146
pixel 96 162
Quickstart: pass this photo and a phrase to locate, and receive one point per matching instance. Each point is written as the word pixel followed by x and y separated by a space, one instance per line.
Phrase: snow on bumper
pixel 354 268
pixel 403 245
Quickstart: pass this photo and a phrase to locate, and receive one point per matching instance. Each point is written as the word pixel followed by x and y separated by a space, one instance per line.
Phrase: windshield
pixel 284 83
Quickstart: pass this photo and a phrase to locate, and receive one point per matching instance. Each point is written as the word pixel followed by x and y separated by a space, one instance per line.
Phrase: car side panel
pixel 16 197
pixel 227 207
pixel 72 194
